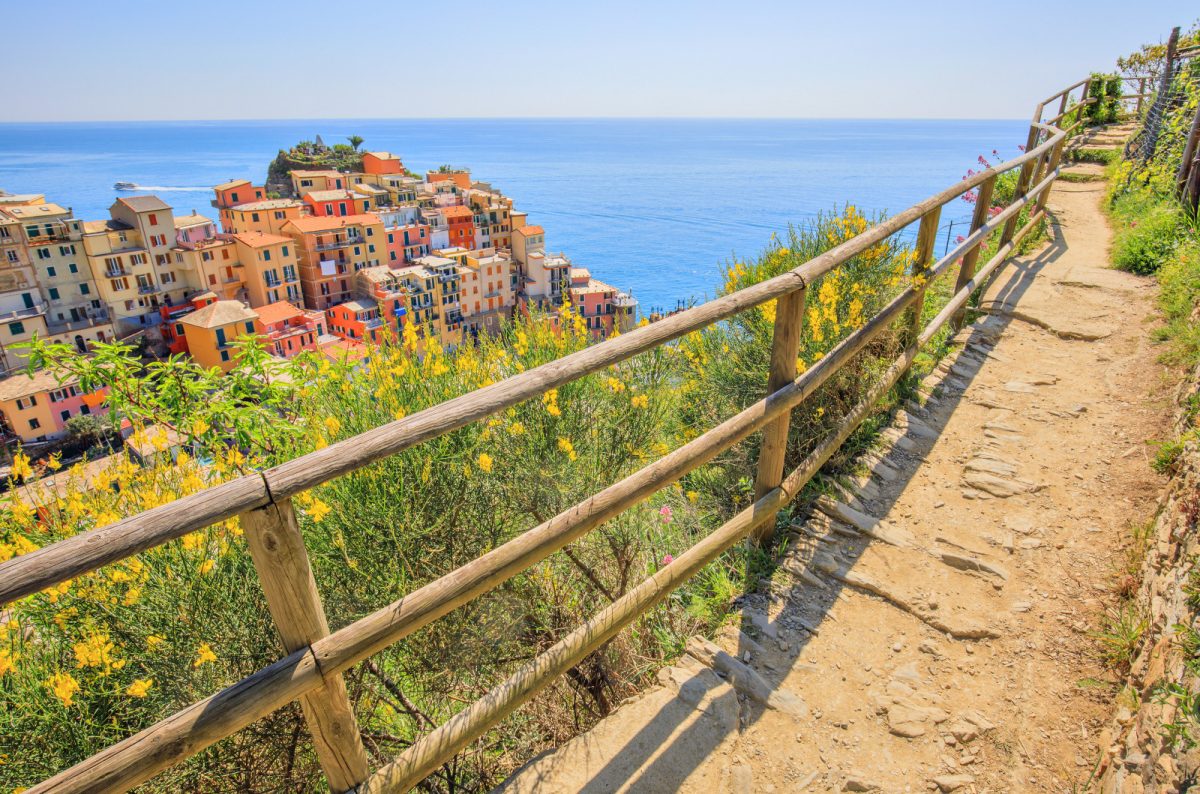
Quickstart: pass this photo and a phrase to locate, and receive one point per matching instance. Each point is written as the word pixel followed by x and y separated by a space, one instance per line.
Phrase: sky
pixel 260 59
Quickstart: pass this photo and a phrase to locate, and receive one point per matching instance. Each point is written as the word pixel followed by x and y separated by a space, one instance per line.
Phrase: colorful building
pixel 271 269
pixel 211 332
pixel 331 250
pixel 288 330
pixel 382 163
pixel 601 305
pixel 358 320
pixel 36 408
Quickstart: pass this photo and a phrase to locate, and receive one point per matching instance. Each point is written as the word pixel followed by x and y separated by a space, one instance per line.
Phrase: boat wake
pixel 161 188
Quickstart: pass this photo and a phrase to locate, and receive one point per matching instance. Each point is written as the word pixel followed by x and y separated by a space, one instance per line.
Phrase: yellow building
pixel 212 331
pixel 268 216
pixel 272 273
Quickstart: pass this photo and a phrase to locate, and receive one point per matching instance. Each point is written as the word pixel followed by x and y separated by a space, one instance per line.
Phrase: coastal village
pixel 341 261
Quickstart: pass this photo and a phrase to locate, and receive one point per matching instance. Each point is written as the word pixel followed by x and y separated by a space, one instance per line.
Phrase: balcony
pixel 115 272
pixel 339 244
pixel 623 301
pixel 146 289
pixel 37 309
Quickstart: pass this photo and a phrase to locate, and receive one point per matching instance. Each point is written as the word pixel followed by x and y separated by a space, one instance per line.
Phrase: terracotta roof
pixel 23 384
pixel 277 312
pixel 260 239
pixel 145 203
pixel 458 212
pixel 318 224
pixel 384 155
pixel 528 230
pixel 327 172
pixel 221 313
pixel 233 183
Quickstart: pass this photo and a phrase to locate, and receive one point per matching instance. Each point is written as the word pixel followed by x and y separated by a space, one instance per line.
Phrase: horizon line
pixel 505 118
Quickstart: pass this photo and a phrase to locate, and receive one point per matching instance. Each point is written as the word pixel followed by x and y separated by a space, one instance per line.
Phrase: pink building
pixel 287 330
pixel 602 305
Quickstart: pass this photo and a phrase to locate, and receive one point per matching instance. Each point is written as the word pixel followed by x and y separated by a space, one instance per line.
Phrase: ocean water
pixel 653 206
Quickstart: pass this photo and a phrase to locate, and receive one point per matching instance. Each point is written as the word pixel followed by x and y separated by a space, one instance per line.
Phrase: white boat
pixel 125 186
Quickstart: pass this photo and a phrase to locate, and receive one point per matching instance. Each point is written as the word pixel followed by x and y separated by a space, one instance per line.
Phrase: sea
pixel 653 206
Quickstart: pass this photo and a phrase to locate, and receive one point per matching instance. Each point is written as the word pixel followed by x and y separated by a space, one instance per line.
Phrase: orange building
pixel 461 178
pixel 460 225
pixel 357 320
pixel 231 194
pixel 212 331
pixel 331 251
pixel 336 203
pixel 287 330
pixel 382 163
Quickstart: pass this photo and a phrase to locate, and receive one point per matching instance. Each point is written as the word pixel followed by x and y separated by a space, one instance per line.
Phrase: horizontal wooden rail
pixel 313 669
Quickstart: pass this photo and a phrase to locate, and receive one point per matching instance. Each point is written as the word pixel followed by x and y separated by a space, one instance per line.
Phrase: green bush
pixel 1106 90
pixel 1146 244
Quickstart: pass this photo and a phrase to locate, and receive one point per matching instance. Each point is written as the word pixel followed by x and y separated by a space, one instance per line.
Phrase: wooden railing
pixel 312 671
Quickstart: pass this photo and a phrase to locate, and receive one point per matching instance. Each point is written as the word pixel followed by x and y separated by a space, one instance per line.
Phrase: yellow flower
pixel 199 427
pixel 206 567
pixel 139 687
pixel 692 496
pixel 333 425
pixel 485 463
pixel 204 655
pixel 7 661
pixel 565 445
pixel 318 511
pixel 399 414
pixel 516 429
pixel 20 466
pixel 131 596
pixel 54 462
pixel 193 541
pixel 154 640
pixel 97 651
pixel 64 686
pixel 639 401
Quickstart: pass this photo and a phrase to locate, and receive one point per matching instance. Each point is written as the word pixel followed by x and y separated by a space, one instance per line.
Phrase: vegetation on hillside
pixel 89 662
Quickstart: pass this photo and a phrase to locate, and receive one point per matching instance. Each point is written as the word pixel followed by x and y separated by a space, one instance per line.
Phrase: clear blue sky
pixel 215 59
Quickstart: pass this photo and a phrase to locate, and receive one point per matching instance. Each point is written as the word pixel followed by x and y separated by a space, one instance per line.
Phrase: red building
pixel 336 203
pixel 231 194
pixel 357 320
pixel 460 222
pixel 287 330
pixel 381 163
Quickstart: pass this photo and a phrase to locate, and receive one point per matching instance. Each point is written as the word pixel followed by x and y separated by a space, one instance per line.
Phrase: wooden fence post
pixel 785 347
pixel 277 547
pixel 1189 152
pixel 983 204
pixel 1141 96
pixel 926 239
pixel 1023 181
pixel 1051 164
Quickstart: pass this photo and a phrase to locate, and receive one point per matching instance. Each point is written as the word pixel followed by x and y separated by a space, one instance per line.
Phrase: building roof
pixel 221 313
pixel 528 230
pixel 357 306
pixel 384 155
pixel 145 203
pixel 260 239
pixel 231 183
pixel 195 219
pixel 330 222
pixel 36 211
pixel 458 212
pixel 277 312
pixel 329 195
pixel 22 198
pixel 110 225
pixel 22 384
pixel 268 204
pixel 325 172
pixel 344 350
pixel 376 275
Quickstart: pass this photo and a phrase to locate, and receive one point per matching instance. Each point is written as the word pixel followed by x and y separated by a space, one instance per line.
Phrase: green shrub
pixel 1146 243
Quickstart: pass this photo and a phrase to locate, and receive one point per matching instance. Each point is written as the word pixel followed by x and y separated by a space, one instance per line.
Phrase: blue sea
pixel 649 205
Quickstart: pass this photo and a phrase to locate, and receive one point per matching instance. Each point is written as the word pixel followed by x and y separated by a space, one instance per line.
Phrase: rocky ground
pixel 932 630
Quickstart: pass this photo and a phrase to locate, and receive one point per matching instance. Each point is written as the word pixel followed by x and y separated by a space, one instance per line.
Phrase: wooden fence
pixel 312 671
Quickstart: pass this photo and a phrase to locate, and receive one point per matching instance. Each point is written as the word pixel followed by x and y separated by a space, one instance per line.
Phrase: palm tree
pixel 355 141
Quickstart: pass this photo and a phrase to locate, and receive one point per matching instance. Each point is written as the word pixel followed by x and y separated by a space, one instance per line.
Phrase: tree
pixel 355 141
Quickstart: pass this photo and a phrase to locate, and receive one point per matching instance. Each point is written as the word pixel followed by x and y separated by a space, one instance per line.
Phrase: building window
pixel 65 415
pixel 73 267
pixel 84 289
pixel 224 355
pixel 53 293
pixel 16 329
pixel 266 256
pixel 153 219
pixel 284 251
pixel 34 424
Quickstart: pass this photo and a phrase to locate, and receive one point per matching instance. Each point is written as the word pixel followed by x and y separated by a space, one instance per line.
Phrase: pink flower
pixel 1133 224
pixel 983 161
pixel 667 559
pixel 959 238
pixel 994 211
pixel 1021 146
pixel 665 512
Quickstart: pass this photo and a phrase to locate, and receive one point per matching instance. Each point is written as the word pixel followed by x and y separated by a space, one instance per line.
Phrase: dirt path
pixel 932 631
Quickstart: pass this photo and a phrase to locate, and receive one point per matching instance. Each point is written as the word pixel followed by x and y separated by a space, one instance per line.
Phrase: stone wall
pixel 1136 753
